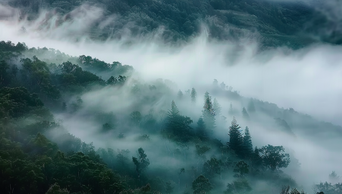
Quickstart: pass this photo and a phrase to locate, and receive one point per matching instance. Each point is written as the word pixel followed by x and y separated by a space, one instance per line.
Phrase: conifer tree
pixel 178 125
pixel 201 129
pixel 247 147
pixel 201 185
pixel 208 112
pixel 235 141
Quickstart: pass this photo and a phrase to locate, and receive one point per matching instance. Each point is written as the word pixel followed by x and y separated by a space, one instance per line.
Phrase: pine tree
pixel 256 158
pixel 174 110
pixel 201 129
pixel 247 146
pixel 193 95
pixel 208 113
pixel 201 185
pixel 235 141
pixel 177 125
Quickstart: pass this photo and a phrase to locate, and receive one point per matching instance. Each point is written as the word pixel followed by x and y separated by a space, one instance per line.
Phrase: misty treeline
pixel 273 23
pixel 153 138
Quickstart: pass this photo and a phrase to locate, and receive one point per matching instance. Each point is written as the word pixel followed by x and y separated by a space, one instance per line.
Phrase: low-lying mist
pixel 307 80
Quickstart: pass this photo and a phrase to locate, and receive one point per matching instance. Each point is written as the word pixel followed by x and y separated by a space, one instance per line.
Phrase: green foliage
pixel 18 102
pixel 328 188
pixel 274 157
pixel 278 23
pixel 212 167
pixel 201 130
pixel 201 185
pixel 178 126
pixel 74 75
pixel 235 138
pixel 142 162
pixel 208 113
pixel 241 168
pixel 56 189
pixel 247 146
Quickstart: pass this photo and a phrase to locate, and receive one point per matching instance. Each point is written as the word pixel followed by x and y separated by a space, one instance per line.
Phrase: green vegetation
pixel 174 155
pixel 273 23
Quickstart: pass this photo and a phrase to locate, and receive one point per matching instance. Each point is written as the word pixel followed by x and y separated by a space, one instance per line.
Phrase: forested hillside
pixel 273 23
pixel 80 125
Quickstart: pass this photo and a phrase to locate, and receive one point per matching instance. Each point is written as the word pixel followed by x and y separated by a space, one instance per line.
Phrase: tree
pixel 235 138
pixel 274 157
pixel 135 117
pixel 193 95
pixel 56 189
pixel 212 167
pixel 286 190
pixel 201 129
pixel 208 112
pixel 142 162
pixel 241 168
pixel 247 146
pixel 174 112
pixel 256 159
pixel 333 177
pixel 177 125
pixel 201 185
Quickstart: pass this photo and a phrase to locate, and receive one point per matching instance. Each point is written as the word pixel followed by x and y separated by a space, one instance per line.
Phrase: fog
pixel 307 80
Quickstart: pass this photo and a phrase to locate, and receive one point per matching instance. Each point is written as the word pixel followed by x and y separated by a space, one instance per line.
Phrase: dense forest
pixel 91 123
pixel 80 125
pixel 272 23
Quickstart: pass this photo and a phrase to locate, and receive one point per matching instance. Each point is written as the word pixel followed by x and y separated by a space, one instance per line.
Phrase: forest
pixel 272 23
pixel 80 125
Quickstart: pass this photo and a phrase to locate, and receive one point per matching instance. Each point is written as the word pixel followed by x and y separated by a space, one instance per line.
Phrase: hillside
pixel 295 24
pixel 64 129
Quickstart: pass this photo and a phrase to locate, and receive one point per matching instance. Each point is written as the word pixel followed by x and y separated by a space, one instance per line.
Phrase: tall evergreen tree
pixel 208 112
pixel 177 125
pixel 247 147
pixel 201 129
pixel 174 110
pixel 201 185
pixel 235 141
pixel 256 158
pixel 193 95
